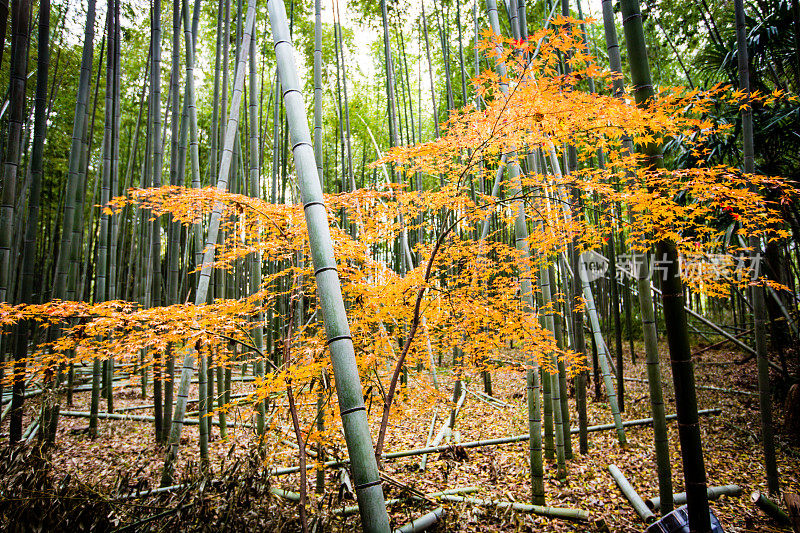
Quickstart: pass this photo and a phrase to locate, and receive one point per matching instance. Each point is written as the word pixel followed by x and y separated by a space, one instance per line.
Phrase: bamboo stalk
pixel 423 522
pixel 769 507
pixel 552 512
pixel 603 356
pixel 633 497
pixel 654 504
pixel 201 293
pixel 348 384
pixel 526 290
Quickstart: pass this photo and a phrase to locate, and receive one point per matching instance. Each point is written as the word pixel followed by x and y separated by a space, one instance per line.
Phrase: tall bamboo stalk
pixel 646 305
pixel 672 289
pixel 351 402
pixel 757 291
pixel 318 134
pixel 189 33
pixel 254 190
pixel 521 239
pixel 29 250
pixel 173 226
pixel 201 294
pixel 20 13
pixel 75 152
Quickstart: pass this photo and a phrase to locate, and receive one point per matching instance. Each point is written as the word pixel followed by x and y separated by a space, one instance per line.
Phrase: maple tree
pixel 540 111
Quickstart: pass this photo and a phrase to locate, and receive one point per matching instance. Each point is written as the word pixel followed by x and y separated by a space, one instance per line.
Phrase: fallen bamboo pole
pixel 484 443
pixel 352 509
pixel 770 507
pixel 285 494
pixel 143 418
pixel 632 496
pixel 654 504
pixel 552 512
pixel 484 400
pixel 705 387
pixel 446 428
pixel 720 343
pixel 423 522
pixel 719 330
pixel 491 398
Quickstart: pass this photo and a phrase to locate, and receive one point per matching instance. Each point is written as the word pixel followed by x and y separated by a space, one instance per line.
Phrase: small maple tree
pixel 473 297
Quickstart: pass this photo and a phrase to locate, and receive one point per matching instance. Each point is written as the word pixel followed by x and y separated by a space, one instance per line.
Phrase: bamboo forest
pixel 400 265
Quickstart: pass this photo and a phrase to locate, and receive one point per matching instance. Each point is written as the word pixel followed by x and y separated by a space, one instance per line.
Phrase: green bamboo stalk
pixel 562 371
pixel 113 293
pixel 254 190
pixel 672 288
pixel 349 170
pixel 27 289
pixel 75 157
pixel 661 442
pixel 318 134
pixel 201 294
pixel 521 240
pixel 101 282
pixel 156 164
pixel 318 144
pixel 612 261
pixel 757 291
pixel 602 353
pixel 646 306
pixel 555 391
pixel 351 402
pixel 406 261
pixel 173 226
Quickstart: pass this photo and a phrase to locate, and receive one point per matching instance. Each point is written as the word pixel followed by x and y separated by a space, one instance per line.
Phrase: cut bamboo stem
pixel 654 504
pixel 552 512
pixel 423 522
pixel 769 507
pixel 633 497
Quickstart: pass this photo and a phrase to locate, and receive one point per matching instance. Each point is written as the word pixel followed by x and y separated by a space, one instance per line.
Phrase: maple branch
pixel 301 443
pixel 407 345
pixel 245 344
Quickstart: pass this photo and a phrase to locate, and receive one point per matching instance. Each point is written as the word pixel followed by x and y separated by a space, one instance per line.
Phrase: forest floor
pixel 126 450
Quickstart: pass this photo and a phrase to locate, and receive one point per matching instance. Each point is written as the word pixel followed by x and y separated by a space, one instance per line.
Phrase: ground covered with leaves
pixel 85 484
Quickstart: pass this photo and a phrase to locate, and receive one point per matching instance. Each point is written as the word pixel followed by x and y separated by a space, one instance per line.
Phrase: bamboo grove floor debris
pixel 491 458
